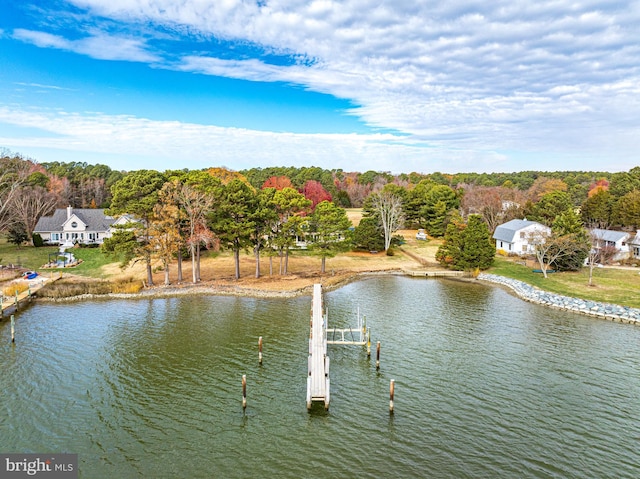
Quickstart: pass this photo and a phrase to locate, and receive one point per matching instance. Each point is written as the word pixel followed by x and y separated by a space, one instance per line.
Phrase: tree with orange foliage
pixel 226 175
pixel 600 185
pixel 277 182
pixel 542 185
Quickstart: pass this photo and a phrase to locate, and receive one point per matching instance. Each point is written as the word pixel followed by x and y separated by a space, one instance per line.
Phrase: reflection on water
pixel 486 386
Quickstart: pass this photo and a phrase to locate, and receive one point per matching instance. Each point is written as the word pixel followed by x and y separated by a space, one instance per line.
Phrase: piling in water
pixel 244 391
pixel 260 350
pixel 13 330
pixel 378 356
pixel 392 387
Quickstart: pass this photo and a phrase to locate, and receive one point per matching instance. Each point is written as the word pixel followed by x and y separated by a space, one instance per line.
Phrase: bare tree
pixel 389 209
pixel 13 174
pixel 549 247
pixel 30 204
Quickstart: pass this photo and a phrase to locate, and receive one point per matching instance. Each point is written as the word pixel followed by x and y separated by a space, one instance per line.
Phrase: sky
pixel 387 85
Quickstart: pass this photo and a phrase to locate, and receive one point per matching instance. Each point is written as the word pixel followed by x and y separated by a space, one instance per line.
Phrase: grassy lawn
pixel 29 257
pixel 610 285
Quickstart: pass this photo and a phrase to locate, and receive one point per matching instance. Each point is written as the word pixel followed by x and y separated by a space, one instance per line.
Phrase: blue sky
pixel 385 85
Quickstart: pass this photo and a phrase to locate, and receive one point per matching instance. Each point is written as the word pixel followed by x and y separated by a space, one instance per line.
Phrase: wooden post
pixel 392 387
pixel 29 293
pixel 368 343
pixel 13 330
pixel 260 350
pixel 16 300
pixel 378 356
pixel 244 391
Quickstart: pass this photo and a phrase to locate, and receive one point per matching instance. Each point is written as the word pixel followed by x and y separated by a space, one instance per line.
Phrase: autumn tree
pixel 543 185
pixel 164 231
pixel 315 192
pixel 277 182
pixel 195 196
pixel 329 231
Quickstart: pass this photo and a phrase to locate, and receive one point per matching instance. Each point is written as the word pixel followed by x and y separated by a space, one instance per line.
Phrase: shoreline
pixel 524 291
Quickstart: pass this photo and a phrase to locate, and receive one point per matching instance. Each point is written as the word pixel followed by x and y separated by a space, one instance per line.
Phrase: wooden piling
pixel 378 356
pixel 13 330
pixel 392 387
pixel 368 344
pixel 17 302
pixel 260 350
pixel 244 391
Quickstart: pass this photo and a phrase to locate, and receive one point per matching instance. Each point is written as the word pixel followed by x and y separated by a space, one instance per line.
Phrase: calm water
pixel 486 386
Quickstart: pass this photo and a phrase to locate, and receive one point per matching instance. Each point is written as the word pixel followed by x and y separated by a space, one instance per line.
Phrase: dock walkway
pixel 318 384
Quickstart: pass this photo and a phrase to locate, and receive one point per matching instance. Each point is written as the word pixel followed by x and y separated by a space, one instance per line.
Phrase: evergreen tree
pixel 576 241
pixel 467 246
pixel 368 235
pixel 329 231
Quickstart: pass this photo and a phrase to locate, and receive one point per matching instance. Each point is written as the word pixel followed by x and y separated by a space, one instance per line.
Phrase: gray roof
pixel 507 231
pixel 95 219
pixel 609 235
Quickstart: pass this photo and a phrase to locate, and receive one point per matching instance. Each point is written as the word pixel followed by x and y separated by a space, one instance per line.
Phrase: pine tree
pixel 467 246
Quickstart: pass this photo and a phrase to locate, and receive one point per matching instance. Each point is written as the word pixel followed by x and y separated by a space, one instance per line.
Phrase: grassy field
pixel 609 285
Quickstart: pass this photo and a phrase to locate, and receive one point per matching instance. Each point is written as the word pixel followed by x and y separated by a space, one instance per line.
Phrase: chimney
pixel 69 210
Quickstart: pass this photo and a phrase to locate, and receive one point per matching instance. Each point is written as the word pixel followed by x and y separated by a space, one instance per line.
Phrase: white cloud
pixel 100 45
pixel 473 75
pixel 172 144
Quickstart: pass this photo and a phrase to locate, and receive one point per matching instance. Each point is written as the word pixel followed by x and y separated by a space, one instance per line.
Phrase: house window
pixel 522 235
pixel 524 247
pixel 510 245
pixel 74 225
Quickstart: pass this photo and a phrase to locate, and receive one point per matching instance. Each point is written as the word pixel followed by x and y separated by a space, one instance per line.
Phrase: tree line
pixel 235 209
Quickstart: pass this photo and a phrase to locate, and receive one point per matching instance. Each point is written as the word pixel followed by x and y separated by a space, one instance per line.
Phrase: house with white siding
pixel 68 226
pixel 625 244
pixel 516 236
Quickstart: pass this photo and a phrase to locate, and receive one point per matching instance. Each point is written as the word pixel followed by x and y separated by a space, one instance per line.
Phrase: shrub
pixel 37 240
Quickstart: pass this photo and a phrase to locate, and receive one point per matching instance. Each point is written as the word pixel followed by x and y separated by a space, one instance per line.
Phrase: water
pixel 486 386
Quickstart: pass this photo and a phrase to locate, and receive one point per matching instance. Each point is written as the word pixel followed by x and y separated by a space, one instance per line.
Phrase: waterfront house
pixel 622 242
pixel 68 226
pixel 516 236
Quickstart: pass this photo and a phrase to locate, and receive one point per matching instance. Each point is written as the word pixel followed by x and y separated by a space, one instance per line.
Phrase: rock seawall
pixel 611 312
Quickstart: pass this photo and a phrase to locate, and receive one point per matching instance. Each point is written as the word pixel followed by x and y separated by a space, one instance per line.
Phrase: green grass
pixel 26 256
pixel 610 285
pixel 30 257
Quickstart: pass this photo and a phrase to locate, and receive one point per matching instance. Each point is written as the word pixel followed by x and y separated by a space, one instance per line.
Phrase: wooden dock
pixel 318 383
pixel 9 304
pixel 437 273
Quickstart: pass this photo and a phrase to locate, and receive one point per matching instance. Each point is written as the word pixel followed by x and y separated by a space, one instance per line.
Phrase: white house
pixel 515 236
pixel 624 243
pixel 68 226
pixel 634 245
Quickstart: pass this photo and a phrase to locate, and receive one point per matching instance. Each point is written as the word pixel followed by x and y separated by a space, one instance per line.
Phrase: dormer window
pixel 74 224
